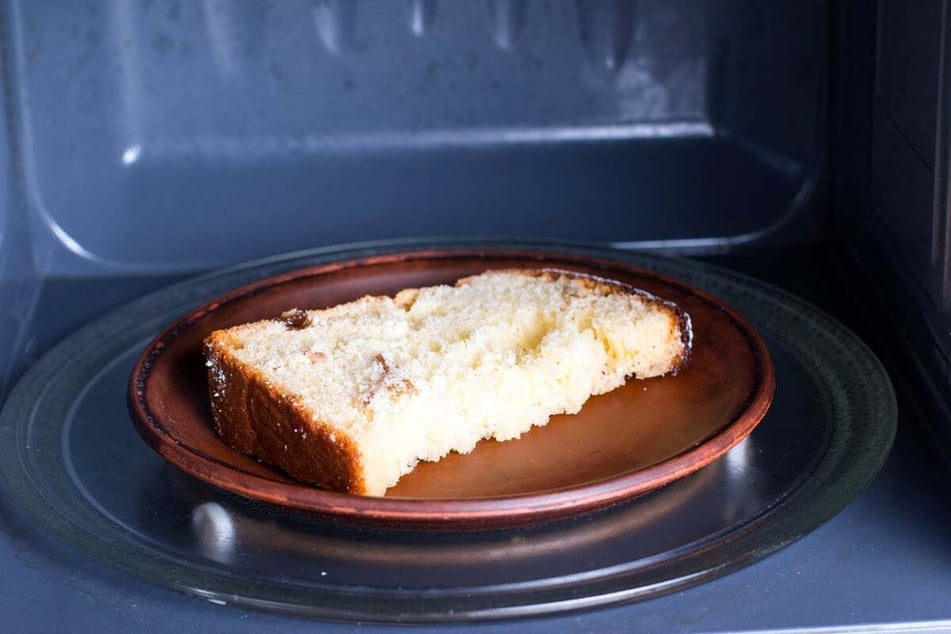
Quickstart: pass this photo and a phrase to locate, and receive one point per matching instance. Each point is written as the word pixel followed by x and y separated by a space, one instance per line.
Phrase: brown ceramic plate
pixel 620 445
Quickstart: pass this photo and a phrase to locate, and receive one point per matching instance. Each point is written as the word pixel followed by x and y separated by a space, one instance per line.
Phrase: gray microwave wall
pixel 20 278
pixel 162 136
pixel 159 138
pixel 892 191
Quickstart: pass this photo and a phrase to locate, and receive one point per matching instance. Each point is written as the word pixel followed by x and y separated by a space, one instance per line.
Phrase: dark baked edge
pixel 256 419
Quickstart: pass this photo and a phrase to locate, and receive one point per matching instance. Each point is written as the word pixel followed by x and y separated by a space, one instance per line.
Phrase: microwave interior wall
pixel 144 141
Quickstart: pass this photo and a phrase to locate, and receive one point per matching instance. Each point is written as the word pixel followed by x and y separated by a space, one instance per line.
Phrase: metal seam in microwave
pixel 688 246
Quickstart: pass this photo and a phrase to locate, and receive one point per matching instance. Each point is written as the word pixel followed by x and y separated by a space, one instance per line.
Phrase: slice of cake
pixel 351 397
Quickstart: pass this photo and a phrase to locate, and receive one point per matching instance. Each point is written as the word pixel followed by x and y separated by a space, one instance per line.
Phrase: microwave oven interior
pixel 802 144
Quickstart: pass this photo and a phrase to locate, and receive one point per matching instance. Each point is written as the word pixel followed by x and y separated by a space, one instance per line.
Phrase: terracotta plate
pixel 621 444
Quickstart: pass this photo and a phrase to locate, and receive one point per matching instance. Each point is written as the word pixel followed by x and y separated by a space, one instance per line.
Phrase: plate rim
pixel 449 513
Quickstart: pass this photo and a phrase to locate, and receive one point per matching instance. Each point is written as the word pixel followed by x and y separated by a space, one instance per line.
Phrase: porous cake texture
pixel 352 397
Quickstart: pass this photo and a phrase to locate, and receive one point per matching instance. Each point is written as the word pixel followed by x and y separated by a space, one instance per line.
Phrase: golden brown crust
pixel 253 418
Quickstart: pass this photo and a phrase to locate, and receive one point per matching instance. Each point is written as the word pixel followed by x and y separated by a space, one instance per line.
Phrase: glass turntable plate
pixel 70 453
